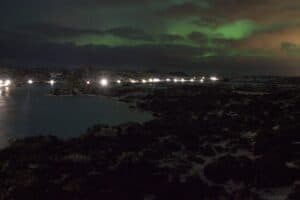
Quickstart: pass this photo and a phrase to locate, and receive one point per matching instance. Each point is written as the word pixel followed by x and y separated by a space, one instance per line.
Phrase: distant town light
pixel 30 82
pixel 156 80
pixel 168 80
pixel 182 80
pixel 119 81
pixel 214 78
pixel 104 82
pixel 88 82
pixel 150 80
pixel 7 82
pixel 202 81
pixel 52 82
pixel 192 80
pixel 133 81
pixel 144 81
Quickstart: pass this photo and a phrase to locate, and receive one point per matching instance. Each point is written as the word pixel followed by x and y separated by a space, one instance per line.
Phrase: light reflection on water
pixel 3 116
pixel 29 111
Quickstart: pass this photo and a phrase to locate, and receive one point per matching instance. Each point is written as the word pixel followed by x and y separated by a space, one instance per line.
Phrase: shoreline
pixel 207 141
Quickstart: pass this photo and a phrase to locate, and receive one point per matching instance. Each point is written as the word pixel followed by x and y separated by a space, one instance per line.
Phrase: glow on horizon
pixel 30 82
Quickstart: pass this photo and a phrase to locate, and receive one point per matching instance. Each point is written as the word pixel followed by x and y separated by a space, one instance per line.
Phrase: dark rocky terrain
pixel 209 142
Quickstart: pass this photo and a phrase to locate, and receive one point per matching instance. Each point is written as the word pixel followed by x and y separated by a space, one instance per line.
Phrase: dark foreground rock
pixel 207 143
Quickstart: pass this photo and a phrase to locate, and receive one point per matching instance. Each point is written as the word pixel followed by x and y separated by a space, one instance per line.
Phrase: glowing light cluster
pixel 5 83
pixel 156 80
pixel 202 79
pixel 105 81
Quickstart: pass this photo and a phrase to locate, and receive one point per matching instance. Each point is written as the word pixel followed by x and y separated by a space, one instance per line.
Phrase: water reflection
pixel 29 111
pixel 4 92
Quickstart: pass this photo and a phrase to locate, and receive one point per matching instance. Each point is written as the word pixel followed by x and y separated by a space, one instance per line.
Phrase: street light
pixel 156 80
pixel 133 81
pixel 104 82
pixel 214 78
pixel 30 82
pixel 7 82
pixel 52 82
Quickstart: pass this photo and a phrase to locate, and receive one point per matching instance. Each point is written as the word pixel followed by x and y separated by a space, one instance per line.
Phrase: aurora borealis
pixel 230 36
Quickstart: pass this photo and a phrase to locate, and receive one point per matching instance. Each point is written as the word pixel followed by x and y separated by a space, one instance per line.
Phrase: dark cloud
pixel 162 57
pixel 56 31
pixel 258 10
pixel 209 21
pixel 170 38
pixel 130 33
pixel 112 2
pixel 197 37
pixel 44 53
pixel 53 30
pixel 290 48
pixel 183 10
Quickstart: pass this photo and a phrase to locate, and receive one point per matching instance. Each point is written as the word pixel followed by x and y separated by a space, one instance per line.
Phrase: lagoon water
pixel 29 111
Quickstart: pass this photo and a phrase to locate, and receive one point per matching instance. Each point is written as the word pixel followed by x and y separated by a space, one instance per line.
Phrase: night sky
pixel 211 36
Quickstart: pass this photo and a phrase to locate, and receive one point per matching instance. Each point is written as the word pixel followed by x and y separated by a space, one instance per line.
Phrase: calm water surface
pixel 29 111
